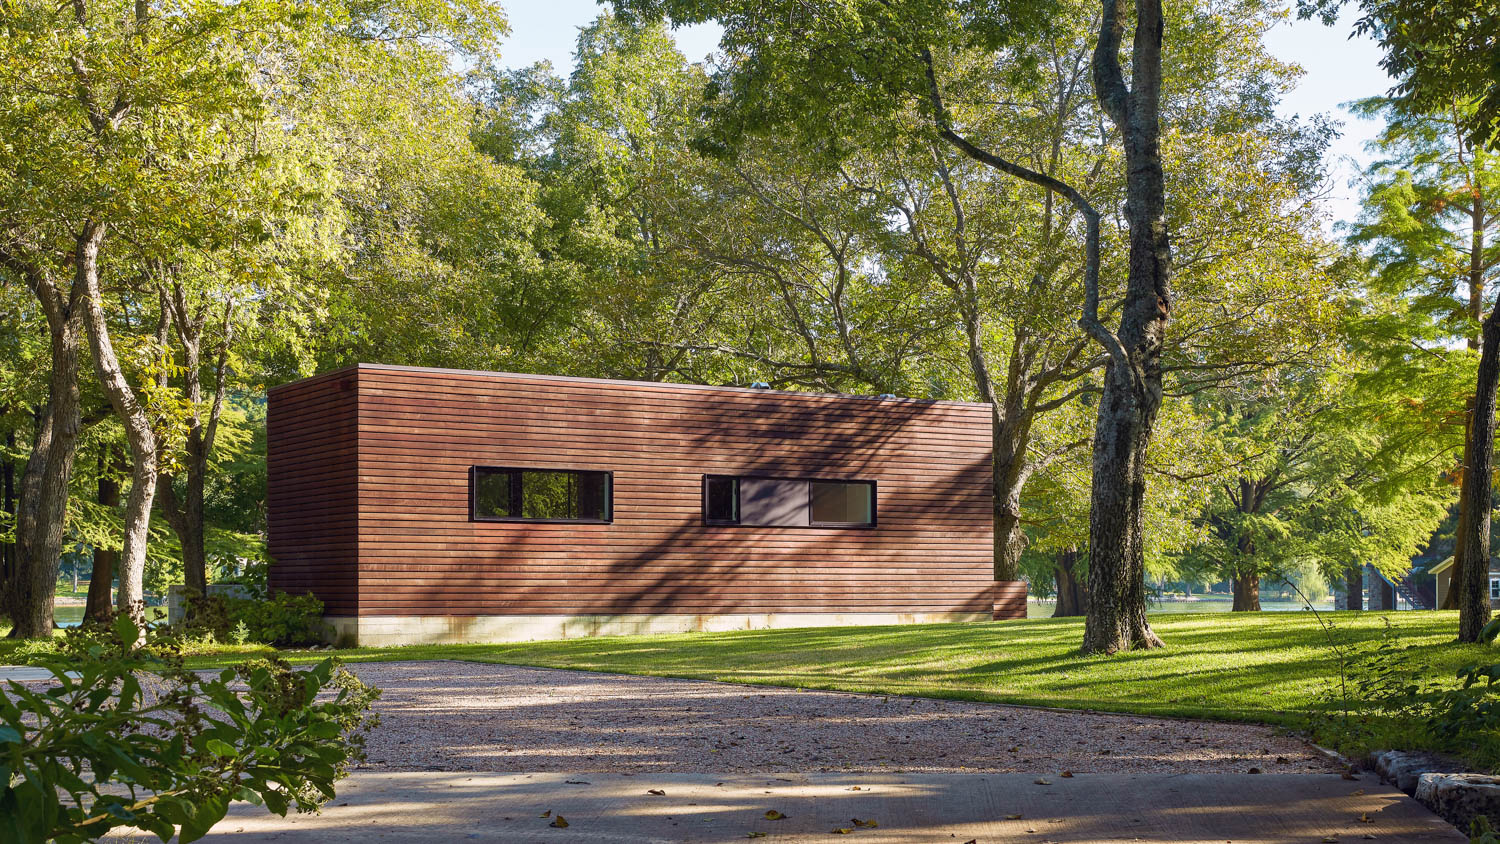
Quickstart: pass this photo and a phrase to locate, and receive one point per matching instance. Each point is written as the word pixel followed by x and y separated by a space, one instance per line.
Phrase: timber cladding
pixel 370 473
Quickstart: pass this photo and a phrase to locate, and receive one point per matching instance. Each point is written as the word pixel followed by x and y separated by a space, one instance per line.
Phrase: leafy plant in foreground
pixel 126 736
pixel 1390 702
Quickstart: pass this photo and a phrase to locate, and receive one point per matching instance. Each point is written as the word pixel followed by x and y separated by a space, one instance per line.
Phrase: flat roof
pixel 574 379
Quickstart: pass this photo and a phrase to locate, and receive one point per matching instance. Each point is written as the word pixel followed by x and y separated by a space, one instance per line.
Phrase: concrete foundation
pixel 388 630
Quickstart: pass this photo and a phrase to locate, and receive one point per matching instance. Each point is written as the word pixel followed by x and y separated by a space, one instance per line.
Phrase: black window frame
pixel 811 525
pixel 609 495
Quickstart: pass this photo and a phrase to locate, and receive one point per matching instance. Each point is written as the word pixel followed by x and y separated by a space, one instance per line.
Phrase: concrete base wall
pixel 386 630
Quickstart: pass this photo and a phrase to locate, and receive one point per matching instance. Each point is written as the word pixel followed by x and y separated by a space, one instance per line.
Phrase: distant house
pixel 428 505
pixel 1443 574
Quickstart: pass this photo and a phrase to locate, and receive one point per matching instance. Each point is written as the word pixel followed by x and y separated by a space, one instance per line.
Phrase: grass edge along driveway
pixel 1278 668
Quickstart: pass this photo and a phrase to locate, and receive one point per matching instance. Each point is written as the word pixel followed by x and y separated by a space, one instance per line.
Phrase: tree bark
pixel 1461 529
pixel 97 607
pixel 1132 376
pixel 1354 587
pixel 8 549
pixel 1009 450
pixel 1472 581
pixel 186 514
pixel 42 507
pixel 138 435
pixel 1072 594
pixel 1246 591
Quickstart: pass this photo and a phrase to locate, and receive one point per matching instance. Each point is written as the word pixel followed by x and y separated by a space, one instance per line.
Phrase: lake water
pixel 72 615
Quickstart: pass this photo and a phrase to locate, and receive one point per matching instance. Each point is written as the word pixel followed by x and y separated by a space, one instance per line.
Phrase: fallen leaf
pixel 855 788
pixel 1365 818
pixel 1015 817
pixel 972 841
pixel 658 792
pixel 546 814
pixel 870 824
pixel 756 835
pixel 1042 782
pixel 1067 774
pixel 773 815
pixel 1358 792
pixel 843 830
pixel 559 822
pixel 1330 839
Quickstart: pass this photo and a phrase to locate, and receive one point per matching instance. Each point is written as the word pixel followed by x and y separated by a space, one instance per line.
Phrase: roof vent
pixel 760 385
pixel 886 396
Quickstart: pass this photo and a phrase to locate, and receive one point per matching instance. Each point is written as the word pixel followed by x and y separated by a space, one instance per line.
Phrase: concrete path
pixel 26 674
pixel 918 807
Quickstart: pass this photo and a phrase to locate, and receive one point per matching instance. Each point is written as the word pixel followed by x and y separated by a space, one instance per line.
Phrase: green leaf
pixel 1491 630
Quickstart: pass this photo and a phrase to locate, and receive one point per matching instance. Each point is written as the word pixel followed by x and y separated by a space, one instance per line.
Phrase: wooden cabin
pixel 434 505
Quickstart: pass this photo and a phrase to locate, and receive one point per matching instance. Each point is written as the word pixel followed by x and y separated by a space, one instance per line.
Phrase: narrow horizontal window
pixel 541 495
pixel 787 502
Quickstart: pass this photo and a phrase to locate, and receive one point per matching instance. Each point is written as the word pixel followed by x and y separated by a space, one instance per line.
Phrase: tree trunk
pixel 1072 594
pixel 1009 450
pixel 138 435
pixel 41 511
pixel 105 559
pixel 1132 376
pixel 1450 601
pixel 8 549
pixel 1246 591
pixel 1354 587
pixel 186 515
pixel 1472 581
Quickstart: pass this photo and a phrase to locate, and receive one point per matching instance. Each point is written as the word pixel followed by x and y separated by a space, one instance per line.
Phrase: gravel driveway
pixel 465 716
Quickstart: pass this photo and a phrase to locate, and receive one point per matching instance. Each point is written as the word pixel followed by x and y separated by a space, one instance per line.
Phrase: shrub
pixel 1390 702
pixel 277 619
pixel 127 736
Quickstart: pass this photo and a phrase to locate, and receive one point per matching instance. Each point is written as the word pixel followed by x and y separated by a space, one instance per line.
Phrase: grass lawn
pixel 1275 667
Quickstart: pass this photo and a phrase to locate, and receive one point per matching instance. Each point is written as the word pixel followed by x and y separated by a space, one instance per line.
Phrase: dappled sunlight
pixel 469 716
pixel 903 808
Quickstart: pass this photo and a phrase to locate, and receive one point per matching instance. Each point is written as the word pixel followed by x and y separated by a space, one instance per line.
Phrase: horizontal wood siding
pixel 312 489
pixel 420 431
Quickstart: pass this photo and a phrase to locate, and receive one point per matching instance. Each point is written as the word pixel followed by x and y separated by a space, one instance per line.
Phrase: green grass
pixel 1270 667
pixel 1274 668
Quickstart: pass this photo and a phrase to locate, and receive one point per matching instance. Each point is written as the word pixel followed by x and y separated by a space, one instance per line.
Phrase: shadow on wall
pixel 664 577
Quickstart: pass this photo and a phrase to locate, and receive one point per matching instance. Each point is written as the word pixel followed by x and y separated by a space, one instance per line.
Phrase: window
pixel 721 500
pixel 787 502
pixel 541 495
pixel 842 503
pixel 1495 589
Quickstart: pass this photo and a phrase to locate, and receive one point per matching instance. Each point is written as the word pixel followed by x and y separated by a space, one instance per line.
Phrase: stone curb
pixel 1441 784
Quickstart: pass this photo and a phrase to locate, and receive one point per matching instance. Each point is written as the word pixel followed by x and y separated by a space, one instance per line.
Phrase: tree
pixel 1323 470
pixel 869 76
pixel 1431 224
pixel 1439 55
pixel 136 148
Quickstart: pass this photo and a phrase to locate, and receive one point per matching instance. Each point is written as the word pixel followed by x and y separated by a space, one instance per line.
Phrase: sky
pixel 1338 69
